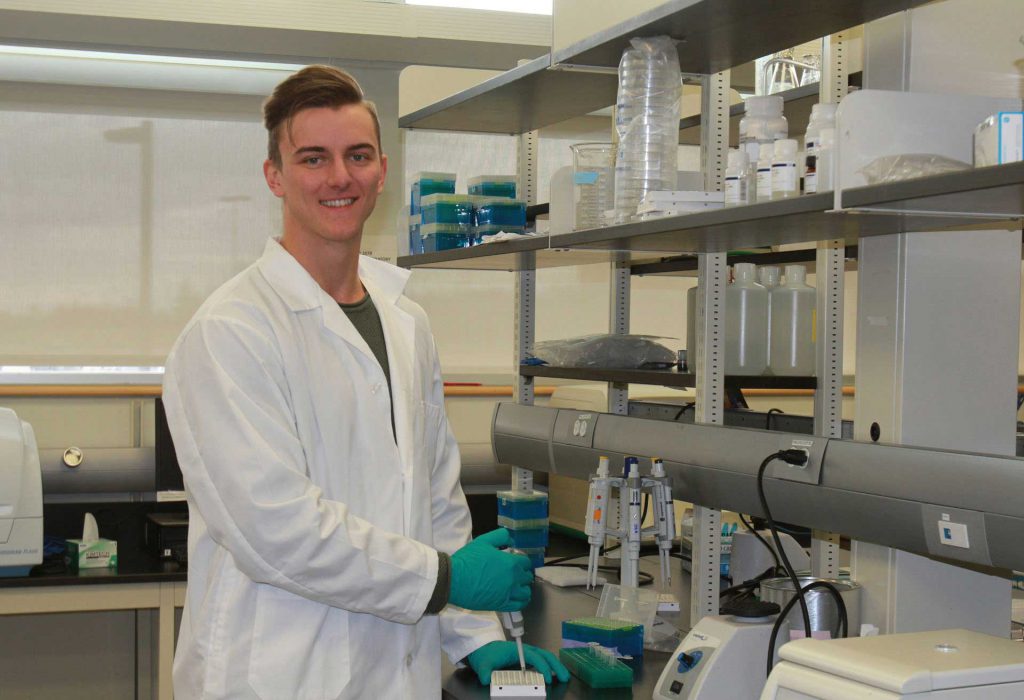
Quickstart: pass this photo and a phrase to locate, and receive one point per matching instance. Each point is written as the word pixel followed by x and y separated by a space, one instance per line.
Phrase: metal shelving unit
pixel 965 200
pixel 579 79
pixel 663 377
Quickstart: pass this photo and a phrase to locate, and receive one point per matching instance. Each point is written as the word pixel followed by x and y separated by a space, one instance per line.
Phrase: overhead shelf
pixel 715 35
pixel 525 98
pixel 978 198
pixel 663 377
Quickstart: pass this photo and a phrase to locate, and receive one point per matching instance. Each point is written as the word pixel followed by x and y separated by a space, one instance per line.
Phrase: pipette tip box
pixel 622 636
pixel 596 668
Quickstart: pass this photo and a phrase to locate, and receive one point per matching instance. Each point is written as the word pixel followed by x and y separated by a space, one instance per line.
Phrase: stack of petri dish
pixel 647 122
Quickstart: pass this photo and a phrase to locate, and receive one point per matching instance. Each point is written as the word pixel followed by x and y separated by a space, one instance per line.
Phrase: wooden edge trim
pixel 151 391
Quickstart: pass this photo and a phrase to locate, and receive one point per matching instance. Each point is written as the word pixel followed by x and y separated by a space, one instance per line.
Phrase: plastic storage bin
pixel 623 636
pixel 428 183
pixel 531 538
pixel 493 186
pixel 455 209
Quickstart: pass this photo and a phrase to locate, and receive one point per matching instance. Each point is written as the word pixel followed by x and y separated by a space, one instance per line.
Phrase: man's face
pixel 330 175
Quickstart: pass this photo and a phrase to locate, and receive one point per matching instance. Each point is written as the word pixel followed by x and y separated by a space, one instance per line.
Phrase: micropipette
pixel 513 622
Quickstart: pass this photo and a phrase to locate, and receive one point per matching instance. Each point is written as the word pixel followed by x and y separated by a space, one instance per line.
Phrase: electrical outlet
pixel 954 534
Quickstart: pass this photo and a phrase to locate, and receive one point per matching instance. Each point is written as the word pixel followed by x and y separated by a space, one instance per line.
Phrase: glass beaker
pixel 593 184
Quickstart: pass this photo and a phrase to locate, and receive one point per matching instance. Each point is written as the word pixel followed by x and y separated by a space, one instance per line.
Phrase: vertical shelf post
pixel 710 367
pixel 828 331
pixel 525 293
pixel 618 323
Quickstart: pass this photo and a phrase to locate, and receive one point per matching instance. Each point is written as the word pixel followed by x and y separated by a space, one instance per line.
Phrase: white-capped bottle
pixel 746 318
pixel 825 161
pixel 762 122
pixel 785 181
pixel 766 152
pixel 792 325
pixel 822 115
pixel 737 180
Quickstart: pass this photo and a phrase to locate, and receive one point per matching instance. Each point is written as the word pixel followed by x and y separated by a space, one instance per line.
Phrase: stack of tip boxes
pixel 623 637
pixel 439 219
pixel 525 515
pixel 424 185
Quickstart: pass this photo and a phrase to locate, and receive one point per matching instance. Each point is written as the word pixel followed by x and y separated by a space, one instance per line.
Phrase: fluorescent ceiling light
pixel 533 7
pixel 144 58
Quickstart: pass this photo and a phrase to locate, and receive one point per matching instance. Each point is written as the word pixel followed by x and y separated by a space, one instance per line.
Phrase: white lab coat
pixel 312 534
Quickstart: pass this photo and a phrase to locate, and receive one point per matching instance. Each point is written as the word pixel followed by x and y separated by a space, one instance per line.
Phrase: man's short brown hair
pixel 313 86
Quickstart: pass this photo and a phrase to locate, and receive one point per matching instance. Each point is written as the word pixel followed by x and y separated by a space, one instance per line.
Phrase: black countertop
pixel 543 618
pixel 133 566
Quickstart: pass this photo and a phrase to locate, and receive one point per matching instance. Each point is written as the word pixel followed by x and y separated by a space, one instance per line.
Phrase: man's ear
pixel 273 176
pixel 383 173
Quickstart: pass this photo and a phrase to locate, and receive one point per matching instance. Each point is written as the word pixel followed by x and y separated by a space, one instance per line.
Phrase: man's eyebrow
pixel 310 149
pixel 363 147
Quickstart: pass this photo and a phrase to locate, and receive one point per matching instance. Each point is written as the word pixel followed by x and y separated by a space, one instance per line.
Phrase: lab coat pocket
pixel 300 648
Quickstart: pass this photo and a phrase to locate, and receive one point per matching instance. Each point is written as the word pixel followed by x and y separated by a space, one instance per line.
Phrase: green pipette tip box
pixel 596 669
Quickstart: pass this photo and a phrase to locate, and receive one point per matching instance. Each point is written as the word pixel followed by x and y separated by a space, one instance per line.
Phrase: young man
pixel 328 553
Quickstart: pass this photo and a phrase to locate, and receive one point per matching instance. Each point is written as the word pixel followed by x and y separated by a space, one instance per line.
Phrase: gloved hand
pixel 485 578
pixel 498 655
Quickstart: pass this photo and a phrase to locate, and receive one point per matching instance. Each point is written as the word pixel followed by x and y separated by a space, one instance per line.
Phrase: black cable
pixel 768 418
pixel 683 410
pixel 796 457
pixel 755 533
pixel 844 622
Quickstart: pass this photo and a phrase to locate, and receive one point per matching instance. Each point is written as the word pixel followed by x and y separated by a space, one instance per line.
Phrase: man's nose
pixel 338 174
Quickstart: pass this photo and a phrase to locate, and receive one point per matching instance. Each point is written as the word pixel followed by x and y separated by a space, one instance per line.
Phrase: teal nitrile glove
pixel 486 578
pixel 497 655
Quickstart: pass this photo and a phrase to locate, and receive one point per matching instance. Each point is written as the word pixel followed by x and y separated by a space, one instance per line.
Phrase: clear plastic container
pixel 746 326
pixel 785 180
pixel 522 505
pixel 825 159
pixel 646 122
pixel 766 153
pixel 593 171
pixel 823 115
pixel 737 179
pixel 447 209
pixel 639 605
pixel 792 325
pixel 437 237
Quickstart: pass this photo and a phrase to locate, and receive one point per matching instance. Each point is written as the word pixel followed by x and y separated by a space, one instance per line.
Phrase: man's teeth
pixel 336 202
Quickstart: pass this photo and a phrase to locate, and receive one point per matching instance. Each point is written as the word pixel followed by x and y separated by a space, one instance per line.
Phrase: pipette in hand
pixel 513 622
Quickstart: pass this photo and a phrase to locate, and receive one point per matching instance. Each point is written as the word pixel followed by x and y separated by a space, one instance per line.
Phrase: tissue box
pixel 91 555
pixel 999 139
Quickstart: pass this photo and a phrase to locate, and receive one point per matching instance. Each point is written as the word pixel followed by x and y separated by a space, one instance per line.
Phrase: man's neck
pixel 335 267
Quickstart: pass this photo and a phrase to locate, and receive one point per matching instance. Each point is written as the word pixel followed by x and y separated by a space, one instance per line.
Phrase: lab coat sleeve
pixel 244 466
pixel 462 631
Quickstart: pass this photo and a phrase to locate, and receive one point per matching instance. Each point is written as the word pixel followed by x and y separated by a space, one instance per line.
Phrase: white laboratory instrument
pixel 723 656
pixel 21 497
pixel 939 665
pixel 629 528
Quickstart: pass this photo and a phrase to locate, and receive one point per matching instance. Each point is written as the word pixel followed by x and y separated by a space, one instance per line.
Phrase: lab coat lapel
pixel 400 339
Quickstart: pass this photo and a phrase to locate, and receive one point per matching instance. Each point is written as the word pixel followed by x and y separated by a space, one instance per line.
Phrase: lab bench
pixel 140 582
pixel 543 622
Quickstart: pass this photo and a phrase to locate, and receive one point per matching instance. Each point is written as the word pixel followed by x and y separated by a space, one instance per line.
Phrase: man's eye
pixel 360 157
pixel 313 160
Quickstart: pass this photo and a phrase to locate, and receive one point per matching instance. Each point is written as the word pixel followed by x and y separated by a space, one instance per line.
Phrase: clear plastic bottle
pixel 822 115
pixel 825 159
pixel 737 179
pixel 768 276
pixel 746 323
pixel 762 122
pixel 785 182
pixel 792 325
pixel 766 154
